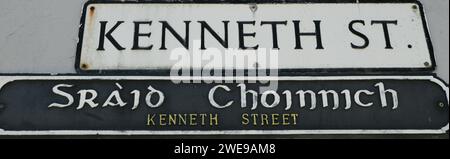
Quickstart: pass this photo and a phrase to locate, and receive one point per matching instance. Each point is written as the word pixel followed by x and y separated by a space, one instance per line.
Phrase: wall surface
pixel 40 36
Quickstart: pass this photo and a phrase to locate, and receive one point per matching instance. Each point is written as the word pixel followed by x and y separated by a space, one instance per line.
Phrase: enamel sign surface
pixel 71 105
pixel 290 36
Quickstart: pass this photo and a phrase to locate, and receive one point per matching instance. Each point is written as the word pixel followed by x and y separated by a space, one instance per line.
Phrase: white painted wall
pixel 40 36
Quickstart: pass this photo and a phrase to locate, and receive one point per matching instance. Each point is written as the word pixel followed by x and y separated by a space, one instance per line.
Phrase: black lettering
pixel 385 23
pixel 274 30
pixel 359 34
pixel 137 34
pixel 242 35
pixel 298 34
pixel 166 26
pixel 101 44
pixel 222 41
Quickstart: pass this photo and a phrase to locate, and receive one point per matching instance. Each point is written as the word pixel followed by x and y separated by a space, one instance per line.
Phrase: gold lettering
pixel 203 116
pixel 269 119
pixel 264 119
pixel 294 116
pixel 172 119
pixel 162 119
pixel 193 118
pixel 182 119
pixel 254 118
pixel 214 120
pixel 286 119
pixel 245 120
pixel 150 120
pixel 275 119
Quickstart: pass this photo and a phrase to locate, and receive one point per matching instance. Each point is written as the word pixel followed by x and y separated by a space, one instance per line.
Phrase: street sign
pixel 145 36
pixel 121 105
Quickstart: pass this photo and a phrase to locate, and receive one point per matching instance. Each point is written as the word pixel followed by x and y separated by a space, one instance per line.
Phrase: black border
pixel 143 75
pixel 312 75
pixel 419 135
pixel 281 72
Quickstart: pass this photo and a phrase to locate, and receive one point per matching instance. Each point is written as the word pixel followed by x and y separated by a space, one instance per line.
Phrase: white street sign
pixel 291 36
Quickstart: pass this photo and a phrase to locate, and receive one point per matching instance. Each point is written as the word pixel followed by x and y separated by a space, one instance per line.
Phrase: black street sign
pixel 40 105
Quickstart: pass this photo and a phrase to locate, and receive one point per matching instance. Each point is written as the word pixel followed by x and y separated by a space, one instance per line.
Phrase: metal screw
pixel 92 9
pixel 426 64
pixel 410 46
pixel 253 7
pixel 414 7
pixel 84 66
pixel 441 104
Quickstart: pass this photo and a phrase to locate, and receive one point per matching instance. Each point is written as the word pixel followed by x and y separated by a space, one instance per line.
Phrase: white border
pixel 5 79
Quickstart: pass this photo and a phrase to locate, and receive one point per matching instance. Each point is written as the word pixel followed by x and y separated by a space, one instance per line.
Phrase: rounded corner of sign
pixel 444 129
pixel 4 81
pixel 439 81
pixel 417 2
pixel 89 3
pixel 78 69
pixel 433 66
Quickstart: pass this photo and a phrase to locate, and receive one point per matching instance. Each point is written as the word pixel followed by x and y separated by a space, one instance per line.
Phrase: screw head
pixel 441 104
pixel 426 64
pixel 253 7
pixel 414 7
pixel 84 66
